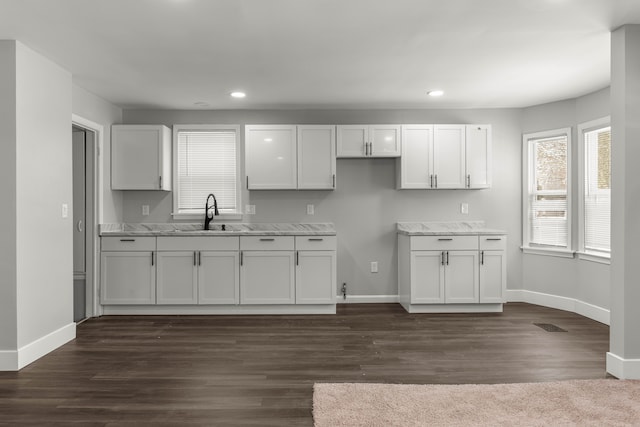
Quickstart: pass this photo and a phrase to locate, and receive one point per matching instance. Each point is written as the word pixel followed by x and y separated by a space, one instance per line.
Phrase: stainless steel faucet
pixel 207 209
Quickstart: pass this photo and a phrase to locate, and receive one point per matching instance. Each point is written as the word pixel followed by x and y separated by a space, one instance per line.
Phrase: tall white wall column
pixel 623 359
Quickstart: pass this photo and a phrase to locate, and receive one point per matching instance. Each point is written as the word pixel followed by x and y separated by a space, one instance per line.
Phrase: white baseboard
pixel 168 310
pixel 624 369
pixel 15 360
pixel 582 308
pixel 366 299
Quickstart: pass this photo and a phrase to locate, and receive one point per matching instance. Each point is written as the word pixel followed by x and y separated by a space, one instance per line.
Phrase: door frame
pixel 92 307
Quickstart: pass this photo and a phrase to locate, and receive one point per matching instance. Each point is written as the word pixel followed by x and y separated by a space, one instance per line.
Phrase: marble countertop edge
pixel 440 228
pixel 234 229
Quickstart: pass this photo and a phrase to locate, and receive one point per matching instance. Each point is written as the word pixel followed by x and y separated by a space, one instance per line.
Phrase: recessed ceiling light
pixel 238 94
pixel 435 92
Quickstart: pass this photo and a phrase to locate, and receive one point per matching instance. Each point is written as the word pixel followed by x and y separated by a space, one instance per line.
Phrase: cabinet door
pixel 138 158
pixel 177 278
pixel 218 277
pixel 316 157
pixel 427 277
pixel 478 156
pixel 416 163
pixel 385 140
pixel 127 278
pixel 315 277
pixel 267 277
pixel 270 157
pixel 449 156
pixel 493 276
pixel 462 283
pixel 351 140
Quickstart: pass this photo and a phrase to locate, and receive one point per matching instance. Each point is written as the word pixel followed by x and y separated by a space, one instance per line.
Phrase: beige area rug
pixel 566 403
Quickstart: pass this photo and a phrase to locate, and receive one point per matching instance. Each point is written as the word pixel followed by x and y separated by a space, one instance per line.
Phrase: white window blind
pixel 548 196
pixel 206 164
pixel 597 190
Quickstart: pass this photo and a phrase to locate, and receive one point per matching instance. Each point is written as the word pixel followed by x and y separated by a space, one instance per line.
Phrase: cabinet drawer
pixel 426 243
pixel 316 243
pixel 497 243
pixel 198 243
pixel 266 243
pixel 128 243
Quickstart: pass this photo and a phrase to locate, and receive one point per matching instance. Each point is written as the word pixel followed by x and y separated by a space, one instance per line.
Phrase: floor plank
pixel 260 370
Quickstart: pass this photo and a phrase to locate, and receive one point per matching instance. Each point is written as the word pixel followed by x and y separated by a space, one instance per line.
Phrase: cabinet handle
pixel 194 258
pixel 494 239
pixel 334 180
pixel 436 175
pixel 447 257
pixel 127 240
pixel 366 148
pixel 442 257
pixel 431 178
pixel 267 239
pixel 241 258
pixel 297 257
pixel 247 182
pixel 469 181
pixel 199 258
pixel 371 148
pixel 315 239
pixel 448 239
pixel 160 182
pixel 152 258
pixel 481 257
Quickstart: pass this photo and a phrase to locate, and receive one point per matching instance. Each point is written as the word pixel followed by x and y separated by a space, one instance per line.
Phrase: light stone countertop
pixel 232 229
pixel 439 228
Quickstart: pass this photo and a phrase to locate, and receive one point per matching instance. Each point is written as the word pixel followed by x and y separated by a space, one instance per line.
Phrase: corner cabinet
pixel 451 273
pixel 359 141
pixel 445 157
pixel 287 157
pixel 140 157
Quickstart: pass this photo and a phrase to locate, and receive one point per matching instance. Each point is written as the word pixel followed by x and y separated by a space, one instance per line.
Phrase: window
pixel 206 160
pixel 595 189
pixel 546 193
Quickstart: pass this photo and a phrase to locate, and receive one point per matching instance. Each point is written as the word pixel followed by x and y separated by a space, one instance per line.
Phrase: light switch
pixel 65 210
pixel 145 210
pixel 374 266
pixel 464 208
pixel 250 209
pixel 310 210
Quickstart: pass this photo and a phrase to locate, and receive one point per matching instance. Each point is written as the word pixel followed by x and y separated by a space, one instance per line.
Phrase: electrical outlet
pixel 65 210
pixel 250 210
pixel 464 208
pixel 374 266
pixel 145 210
pixel 310 210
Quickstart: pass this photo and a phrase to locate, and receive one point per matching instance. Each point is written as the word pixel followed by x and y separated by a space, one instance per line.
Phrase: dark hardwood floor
pixel 259 370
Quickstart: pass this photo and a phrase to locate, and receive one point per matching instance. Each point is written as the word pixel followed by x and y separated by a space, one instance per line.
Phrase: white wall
pixel 43 168
pixel 366 206
pixel 582 280
pixel 90 107
pixel 8 317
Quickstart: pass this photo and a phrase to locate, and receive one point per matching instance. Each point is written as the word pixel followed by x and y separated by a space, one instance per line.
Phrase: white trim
pixel 177 128
pixel 573 305
pixel 16 360
pixel 624 369
pixel 366 299
pixel 562 253
pixel 162 310
pixel 98 203
pixel 601 259
pixel 453 308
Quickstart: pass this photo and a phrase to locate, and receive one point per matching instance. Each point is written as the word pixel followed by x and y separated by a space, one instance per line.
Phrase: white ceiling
pixel 324 53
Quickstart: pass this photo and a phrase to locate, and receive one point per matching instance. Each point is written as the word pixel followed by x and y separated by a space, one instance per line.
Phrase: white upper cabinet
pixel 270 157
pixel 140 157
pixel 445 157
pixel 416 162
pixel 316 157
pixel 449 156
pixel 368 141
pixel 478 156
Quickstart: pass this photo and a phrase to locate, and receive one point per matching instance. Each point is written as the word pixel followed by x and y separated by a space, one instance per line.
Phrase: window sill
pixel 200 217
pixel 601 258
pixel 561 253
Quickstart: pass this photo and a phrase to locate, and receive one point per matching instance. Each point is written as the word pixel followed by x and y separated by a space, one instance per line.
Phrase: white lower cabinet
pixel 267 277
pixel 128 271
pixel 218 277
pixel 454 271
pixel 177 279
pixel 315 270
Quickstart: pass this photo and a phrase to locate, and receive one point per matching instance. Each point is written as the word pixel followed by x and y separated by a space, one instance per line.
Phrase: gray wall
pixel 365 206
pixel 572 278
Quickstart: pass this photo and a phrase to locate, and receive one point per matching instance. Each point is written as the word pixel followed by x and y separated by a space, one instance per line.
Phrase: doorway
pixel 83 149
